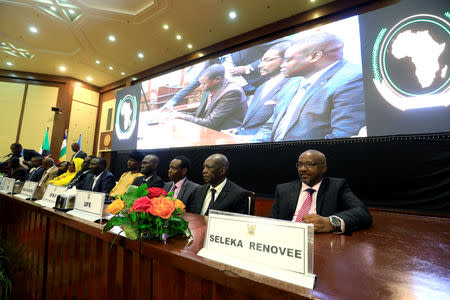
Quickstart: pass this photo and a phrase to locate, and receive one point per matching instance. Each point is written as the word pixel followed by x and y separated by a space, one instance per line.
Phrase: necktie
pixel 208 103
pixel 304 210
pixel 213 192
pixel 172 189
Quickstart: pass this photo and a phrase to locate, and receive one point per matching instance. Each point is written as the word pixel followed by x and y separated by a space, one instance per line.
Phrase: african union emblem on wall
pixel 410 62
pixel 126 114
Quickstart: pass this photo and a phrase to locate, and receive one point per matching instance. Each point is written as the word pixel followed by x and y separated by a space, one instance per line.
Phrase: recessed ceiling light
pixel 111 68
pixel 111 38
pixel 134 78
pixel 9 63
pixel 165 26
pixel 27 53
pixel 141 55
pixel 122 73
pixel 189 46
pixel 53 8
pixel 232 15
pixel 178 37
pixel 71 11
pixel 33 29
pixel 200 54
pixel 4 44
pixel 97 62
pixel 89 78
pixel 312 0
pixel 62 68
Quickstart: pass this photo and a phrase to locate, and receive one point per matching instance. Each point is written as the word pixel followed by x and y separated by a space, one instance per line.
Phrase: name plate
pixel 88 205
pixel 1 182
pixel 49 198
pixel 8 185
pixel 274 248
pixel 28 190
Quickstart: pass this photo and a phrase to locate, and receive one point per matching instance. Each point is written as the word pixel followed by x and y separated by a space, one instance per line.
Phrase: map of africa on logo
pixel 424 53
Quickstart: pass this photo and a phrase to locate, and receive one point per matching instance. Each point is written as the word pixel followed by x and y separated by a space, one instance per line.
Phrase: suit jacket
pixel 104 184
pixel 18 174
pixel 28 154
pixel 232 198
pixel 78 179
pixel 36 174
pixel 48 175
pixel 79 154
pixel 333 107
pixel 227 109
pixel 333 198
pixel 154 181
pixel 261 108
pixel 187 188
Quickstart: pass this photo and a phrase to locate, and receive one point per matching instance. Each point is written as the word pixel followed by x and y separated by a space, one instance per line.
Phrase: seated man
pixel 37 170
pixel 223 104
pixel 99 179
pixel 81 175
pixel 326 202
pixel 65 178
pixel 16 171
pixel 127 178
pixel 218 193
pixel 63 166
pixel 149 166
pixel 181 187
pixel 51 171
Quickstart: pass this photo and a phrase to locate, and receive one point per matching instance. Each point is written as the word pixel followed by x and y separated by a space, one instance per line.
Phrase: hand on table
pixel 321 224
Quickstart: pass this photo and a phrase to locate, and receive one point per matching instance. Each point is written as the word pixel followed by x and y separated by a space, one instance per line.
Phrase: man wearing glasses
pixel 326 202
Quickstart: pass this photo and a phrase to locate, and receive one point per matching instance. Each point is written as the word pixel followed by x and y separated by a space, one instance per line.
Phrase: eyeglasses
pixel 307 164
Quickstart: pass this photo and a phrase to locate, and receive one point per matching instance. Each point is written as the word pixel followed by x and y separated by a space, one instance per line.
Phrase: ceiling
pixel 75 33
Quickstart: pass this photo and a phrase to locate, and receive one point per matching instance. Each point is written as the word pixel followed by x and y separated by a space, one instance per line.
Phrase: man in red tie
pixel 326 202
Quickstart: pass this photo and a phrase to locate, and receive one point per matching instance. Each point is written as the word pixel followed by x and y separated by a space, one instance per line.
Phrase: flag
pixel 45 147
pixel 62 152
pixel 79 141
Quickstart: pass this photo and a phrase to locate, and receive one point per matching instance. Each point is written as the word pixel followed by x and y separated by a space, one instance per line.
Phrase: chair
pixel 251 203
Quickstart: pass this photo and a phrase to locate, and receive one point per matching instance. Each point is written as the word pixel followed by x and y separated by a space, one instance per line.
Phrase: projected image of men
pixel 223 104
pixel 326 101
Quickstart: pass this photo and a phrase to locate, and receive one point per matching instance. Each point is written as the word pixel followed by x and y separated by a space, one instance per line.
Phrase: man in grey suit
pixel 265 97
pixel 181 187
pixel 223 103
pixel 326 99
pixel 326 202
pixel 218 193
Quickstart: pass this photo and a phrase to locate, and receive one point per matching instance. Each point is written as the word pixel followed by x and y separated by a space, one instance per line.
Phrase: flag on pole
pixel 45 147
pixel 62 152
pixel 79 141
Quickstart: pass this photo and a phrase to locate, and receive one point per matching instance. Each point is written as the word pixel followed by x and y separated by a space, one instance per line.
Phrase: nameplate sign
pixel 88 205
pixel 1 182
pixel 274 248
pixel 28 190
pixel 49 198
pixel 8 185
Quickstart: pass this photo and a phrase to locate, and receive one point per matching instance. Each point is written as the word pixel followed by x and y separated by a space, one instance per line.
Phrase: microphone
pixel 8 155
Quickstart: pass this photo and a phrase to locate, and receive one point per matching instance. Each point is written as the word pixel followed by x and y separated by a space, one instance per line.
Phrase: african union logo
pixel 126 117
pixel 411 61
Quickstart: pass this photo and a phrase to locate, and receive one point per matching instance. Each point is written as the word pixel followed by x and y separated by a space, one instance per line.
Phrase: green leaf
pixel 133 217
pixel 114 221
pixel 134 193
pixel 132 231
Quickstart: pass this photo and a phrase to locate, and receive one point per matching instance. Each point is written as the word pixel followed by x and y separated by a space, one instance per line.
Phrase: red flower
pixel 141 205
pixel 156 192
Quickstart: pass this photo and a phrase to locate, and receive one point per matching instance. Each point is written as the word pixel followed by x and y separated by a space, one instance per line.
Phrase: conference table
pixel 59 256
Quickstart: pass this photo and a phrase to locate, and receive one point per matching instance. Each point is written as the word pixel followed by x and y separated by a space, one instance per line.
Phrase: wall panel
pixel 37 115
pixel 11 96
pixel 82 120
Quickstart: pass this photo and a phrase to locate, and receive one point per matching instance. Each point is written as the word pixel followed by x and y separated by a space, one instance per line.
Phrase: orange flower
pixel 161 207
pixel 115 207
pixel 179 204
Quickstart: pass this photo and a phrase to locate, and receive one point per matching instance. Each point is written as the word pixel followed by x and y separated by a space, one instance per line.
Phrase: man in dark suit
pixel 81 175
pixel 16 171
pixel 326 99
pixel 37 170
pixel 181 187
pixel 218 193
pixel 326 202
pixel 99 179
pixel 24 155
pixel 149 166
pixel 78 153
pixel 223 103
pixel 265 97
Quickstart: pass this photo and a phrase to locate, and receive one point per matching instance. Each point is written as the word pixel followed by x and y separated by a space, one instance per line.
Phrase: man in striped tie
pixel 326 202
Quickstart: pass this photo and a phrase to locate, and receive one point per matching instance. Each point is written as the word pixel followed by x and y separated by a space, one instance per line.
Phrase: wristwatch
pixel 336 223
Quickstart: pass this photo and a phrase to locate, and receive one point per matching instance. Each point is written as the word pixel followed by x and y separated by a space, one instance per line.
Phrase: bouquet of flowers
pixel 148 213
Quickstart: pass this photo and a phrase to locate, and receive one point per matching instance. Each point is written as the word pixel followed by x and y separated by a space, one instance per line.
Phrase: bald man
pixel 218 192
pixel 149 166
pixel 326 98
pixel 326 202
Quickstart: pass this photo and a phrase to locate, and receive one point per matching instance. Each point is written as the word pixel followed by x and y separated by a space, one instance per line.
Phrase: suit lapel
pixel 312 90
pixel 256 103
pixel 182 189
pixel 95 188
pixel 321 195
pixel 203 191
pixel 219 199
pixel 219 93
pixel 293 197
